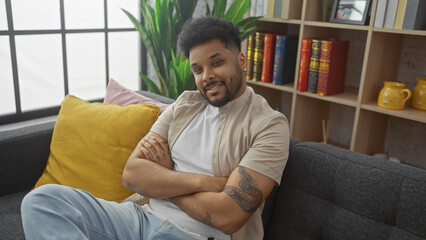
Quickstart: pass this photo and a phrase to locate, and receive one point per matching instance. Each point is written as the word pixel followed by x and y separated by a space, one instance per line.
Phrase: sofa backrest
pixel 332 193
pixel 23 156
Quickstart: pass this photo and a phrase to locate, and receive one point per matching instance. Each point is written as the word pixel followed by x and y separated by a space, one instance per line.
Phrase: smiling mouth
pixel 212 88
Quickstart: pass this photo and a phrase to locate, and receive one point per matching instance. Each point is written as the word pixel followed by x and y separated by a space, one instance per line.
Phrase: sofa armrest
pixel 23 156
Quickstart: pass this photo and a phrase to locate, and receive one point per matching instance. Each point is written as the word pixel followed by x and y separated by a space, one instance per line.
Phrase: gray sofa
pixel 326 192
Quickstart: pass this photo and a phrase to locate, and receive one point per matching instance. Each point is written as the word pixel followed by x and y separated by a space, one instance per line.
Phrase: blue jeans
pixel 60 212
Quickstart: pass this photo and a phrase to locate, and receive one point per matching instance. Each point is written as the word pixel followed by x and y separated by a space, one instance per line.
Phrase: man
pixel 208 163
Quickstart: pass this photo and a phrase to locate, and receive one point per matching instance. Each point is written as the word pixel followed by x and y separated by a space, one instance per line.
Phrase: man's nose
pixel 208 75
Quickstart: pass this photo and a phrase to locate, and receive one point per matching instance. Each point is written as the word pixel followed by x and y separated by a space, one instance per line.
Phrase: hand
pixel 157 150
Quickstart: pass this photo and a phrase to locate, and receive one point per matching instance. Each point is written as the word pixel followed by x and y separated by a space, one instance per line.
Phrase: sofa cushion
pixel 118 94
pixel 91 143
pixel 332 193
pixel 10 216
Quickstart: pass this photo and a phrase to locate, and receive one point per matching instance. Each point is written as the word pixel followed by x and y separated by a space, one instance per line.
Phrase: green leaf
pixel 152 87
pixel 237 10
pixel 208 12
pixel 219 8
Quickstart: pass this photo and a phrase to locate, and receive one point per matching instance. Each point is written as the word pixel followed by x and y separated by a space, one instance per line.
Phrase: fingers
pixel 155 149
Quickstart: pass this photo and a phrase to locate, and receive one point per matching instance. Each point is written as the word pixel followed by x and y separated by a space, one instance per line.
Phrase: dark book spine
pixel 258 56
pixel 305 56
pixel 314 65
pixel 268 57
pixel 250 56
pixel 290 56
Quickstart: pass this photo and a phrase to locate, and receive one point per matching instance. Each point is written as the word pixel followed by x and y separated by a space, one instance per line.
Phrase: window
pixel 51 48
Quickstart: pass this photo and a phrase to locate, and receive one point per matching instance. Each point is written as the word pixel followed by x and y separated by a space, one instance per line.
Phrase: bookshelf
pixel 375 55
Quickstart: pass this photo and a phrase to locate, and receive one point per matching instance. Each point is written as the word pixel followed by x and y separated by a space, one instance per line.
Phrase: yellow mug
pixel 392 95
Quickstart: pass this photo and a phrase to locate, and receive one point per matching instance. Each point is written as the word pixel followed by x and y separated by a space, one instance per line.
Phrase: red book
pixel 332 69
pixel 305 55
pixel 268 57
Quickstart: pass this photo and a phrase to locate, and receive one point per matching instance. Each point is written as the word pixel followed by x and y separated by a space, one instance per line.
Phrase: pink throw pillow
pixel 118 94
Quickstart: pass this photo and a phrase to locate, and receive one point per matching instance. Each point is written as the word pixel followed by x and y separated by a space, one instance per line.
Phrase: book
pixel 415 15
pixel 400 12
pixel 380 13
pixel 250 57
pixel 258 56
pixel 390 13
pixel 305 55
pixel 285 59
pixel 277 8
pixel 252 12
pixel 268 57
pixel 285 9
pixel 332 68
pixel 314 61
pixel 270 8
pixel 259 11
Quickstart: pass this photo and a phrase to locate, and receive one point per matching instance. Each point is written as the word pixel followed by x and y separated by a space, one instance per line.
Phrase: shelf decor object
pixel 350 11
pixel 392 96
pixel 419 94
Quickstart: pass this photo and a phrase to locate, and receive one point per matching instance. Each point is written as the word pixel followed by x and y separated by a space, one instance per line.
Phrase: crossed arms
pixel 223 203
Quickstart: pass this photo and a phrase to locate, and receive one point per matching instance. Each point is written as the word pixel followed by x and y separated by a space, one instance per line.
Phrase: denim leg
pixel 60 212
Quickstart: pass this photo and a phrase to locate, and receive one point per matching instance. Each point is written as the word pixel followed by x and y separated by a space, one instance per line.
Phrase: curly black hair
pixel 200 30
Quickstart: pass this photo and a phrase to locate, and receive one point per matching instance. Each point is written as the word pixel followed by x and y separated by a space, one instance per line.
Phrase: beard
pixel 231 90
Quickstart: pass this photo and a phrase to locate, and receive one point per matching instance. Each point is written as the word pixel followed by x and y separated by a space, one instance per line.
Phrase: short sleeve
pixel 269 152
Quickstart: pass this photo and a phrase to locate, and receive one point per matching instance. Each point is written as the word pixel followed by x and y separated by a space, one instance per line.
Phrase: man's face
pixel 218 72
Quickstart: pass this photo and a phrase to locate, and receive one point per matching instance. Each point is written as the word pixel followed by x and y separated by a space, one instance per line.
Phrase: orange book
pixel 268 57
pixel 305 56
pixel 332 69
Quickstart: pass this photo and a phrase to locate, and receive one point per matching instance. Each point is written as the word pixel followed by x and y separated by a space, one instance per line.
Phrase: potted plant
pixel 162 24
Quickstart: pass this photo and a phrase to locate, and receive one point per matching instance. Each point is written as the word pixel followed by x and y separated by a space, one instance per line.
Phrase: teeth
pixel 214 86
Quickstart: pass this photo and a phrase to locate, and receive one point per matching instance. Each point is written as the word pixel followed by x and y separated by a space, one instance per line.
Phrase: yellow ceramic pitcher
pixel 419 94
pixel 392 95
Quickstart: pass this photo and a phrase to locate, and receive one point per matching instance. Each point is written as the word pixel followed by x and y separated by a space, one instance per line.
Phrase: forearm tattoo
pixel 247 196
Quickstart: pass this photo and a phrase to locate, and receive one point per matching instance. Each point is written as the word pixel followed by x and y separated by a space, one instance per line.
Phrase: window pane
pixel 86 65
pixel 3 17
pixel 117 18
pixel 83 14
pixel 124 58
pixel 40 14
pixel 7 94
pixel 40 70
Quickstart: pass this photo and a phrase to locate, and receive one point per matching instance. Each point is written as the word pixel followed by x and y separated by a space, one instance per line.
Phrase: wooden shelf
pixel 402 31
pixel 279 20
pixel 348 97
pixel 408 113
pixel 286 88
pixel 335 25
pixel 375 55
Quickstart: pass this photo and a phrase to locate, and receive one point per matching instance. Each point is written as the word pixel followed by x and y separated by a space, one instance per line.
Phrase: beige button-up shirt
pixel 250 134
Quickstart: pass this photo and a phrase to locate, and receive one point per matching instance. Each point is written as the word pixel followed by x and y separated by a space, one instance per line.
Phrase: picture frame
pixel 350 11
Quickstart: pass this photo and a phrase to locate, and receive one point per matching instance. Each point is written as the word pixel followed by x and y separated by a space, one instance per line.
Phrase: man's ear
pixel 242 60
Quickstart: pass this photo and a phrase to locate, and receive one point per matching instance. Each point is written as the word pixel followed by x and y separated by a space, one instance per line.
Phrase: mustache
pixel 211 83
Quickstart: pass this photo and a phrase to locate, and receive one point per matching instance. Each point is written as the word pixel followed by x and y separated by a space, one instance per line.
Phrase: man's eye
pixel 217 62
pixel 196 70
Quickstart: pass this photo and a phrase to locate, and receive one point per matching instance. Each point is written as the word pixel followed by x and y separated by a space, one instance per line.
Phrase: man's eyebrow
pixel 215 55
pixel 210 57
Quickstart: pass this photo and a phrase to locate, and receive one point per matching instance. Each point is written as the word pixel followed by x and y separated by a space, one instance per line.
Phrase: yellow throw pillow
pixel 91 143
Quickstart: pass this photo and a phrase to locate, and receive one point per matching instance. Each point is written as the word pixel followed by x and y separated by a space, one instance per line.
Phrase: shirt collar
pixel 237 102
